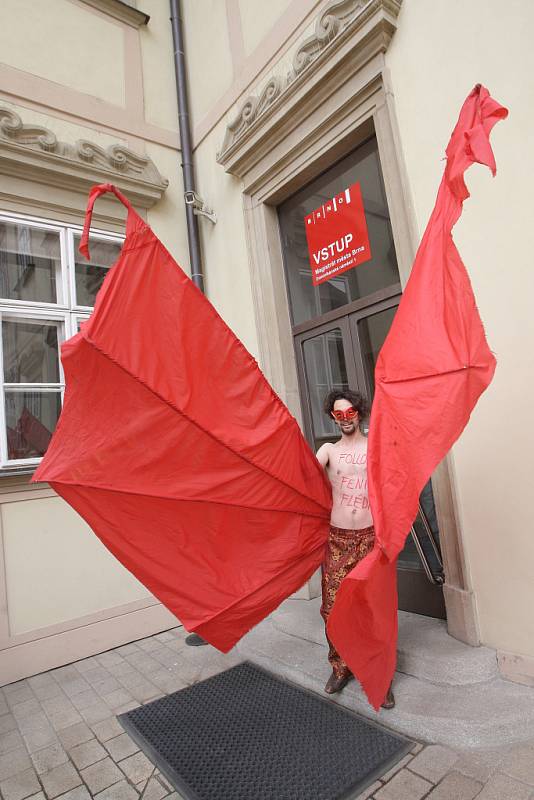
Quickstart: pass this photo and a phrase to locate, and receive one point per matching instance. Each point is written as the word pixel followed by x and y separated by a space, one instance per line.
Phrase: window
pixel 308 302
pixel 46 292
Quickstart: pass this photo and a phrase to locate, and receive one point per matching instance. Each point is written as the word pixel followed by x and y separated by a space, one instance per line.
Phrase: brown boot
pixel 389 701
pixel 336 683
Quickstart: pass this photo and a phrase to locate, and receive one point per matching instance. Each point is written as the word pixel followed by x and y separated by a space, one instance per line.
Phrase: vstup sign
pixel 337 235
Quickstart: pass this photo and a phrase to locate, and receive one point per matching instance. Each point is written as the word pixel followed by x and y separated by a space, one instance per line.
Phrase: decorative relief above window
pixel 35 153
pixel 365 27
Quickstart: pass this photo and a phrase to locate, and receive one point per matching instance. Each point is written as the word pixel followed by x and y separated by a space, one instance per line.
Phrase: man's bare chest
pixel 348 469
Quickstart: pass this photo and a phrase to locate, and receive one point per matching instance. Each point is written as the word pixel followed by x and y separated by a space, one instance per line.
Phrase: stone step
pixel 481 714
pixel 425 649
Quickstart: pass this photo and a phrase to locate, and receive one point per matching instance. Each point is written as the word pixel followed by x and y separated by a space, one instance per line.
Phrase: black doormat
pixel 245 734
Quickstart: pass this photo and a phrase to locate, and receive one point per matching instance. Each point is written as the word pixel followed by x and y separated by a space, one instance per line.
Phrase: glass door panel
pixel 372 332
pixel 326 362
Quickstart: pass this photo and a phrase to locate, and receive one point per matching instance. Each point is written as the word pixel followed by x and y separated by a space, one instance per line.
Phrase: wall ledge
pixel 121 11
pixel 35 154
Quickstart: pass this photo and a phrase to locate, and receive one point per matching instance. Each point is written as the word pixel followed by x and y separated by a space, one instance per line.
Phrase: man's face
pixel 345 425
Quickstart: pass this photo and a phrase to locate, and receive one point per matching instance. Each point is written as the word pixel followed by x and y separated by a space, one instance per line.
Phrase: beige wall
pixel 209 60
pixel 65 43
pixel 56 569
pixel 224 245
pixel 159 83
pixel 258 19
pixel 441 49
pixel 167 217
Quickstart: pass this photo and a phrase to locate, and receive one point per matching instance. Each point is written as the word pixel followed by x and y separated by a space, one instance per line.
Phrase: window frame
pixel 66 312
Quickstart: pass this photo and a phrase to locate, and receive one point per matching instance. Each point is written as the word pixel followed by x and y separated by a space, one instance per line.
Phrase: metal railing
pixel 434 572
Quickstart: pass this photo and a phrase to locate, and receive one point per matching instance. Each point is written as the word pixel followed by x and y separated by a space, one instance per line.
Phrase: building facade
pixel 293 103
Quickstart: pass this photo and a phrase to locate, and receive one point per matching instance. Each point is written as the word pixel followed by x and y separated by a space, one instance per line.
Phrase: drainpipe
pixel 193 238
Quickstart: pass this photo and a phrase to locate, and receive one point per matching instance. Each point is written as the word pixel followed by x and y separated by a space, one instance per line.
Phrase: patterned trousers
pixel 345 549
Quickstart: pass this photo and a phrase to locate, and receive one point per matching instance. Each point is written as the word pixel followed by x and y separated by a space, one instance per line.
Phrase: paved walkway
pixel 59 736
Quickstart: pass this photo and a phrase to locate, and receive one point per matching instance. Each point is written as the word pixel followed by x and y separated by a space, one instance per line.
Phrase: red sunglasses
pixel 349 414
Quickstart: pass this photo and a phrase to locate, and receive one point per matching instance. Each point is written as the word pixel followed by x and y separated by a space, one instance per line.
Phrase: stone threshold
pixel 447 692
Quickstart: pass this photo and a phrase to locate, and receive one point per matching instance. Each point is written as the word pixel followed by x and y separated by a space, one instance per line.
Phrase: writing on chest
pixel 352 458
pixel 353 482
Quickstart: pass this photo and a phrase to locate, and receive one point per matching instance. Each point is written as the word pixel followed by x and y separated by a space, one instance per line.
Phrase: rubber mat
pixel 245 734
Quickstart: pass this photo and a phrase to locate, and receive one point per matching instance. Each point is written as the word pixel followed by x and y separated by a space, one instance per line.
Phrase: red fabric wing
pixel 433 367
pixel 177 452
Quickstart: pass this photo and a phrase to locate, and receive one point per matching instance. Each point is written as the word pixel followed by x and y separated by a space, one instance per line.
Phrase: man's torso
pixel 347 471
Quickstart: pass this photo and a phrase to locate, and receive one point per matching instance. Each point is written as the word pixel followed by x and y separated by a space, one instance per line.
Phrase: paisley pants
pixel 345 549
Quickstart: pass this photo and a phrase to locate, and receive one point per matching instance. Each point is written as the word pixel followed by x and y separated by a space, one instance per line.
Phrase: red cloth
pixel 433 366
pixel 177 452
pixel 34 432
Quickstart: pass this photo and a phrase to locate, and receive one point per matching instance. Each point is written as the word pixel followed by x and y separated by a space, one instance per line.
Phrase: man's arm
pixel 323 454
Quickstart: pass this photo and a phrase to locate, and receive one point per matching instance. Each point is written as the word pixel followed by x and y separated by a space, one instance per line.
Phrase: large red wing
pixel 433 367
pixel 177 452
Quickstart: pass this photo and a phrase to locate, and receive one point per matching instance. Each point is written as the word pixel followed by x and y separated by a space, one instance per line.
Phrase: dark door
pixel 339 327
pixel 342 354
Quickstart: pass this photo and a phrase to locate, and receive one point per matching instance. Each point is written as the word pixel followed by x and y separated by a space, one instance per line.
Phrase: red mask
pixel 347 415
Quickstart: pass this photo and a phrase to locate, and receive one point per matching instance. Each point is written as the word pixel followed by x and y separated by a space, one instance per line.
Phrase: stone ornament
pixel 36 151
pixel 333 21
pixel 12 127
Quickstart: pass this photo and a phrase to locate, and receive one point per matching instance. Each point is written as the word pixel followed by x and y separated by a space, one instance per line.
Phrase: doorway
pixel 339 327
pixel 342 354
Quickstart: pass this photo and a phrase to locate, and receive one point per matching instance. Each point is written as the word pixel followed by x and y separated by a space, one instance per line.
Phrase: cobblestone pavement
pixel 59 736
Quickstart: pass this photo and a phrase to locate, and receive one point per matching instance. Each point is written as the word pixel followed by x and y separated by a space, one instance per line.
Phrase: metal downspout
pixel 193 237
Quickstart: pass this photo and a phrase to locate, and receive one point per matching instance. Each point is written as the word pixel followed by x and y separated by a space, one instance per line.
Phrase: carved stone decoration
pixel 328 25
pixel 12 126
pixel 116 156
pixel 340 20
pixel 35 153
pixel 252 108
pixel 270 92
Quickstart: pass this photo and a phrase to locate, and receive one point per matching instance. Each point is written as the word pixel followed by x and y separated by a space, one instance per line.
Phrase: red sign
pixel 337 235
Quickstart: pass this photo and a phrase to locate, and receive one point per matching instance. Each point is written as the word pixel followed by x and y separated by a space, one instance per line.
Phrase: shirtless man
pixel 352 534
